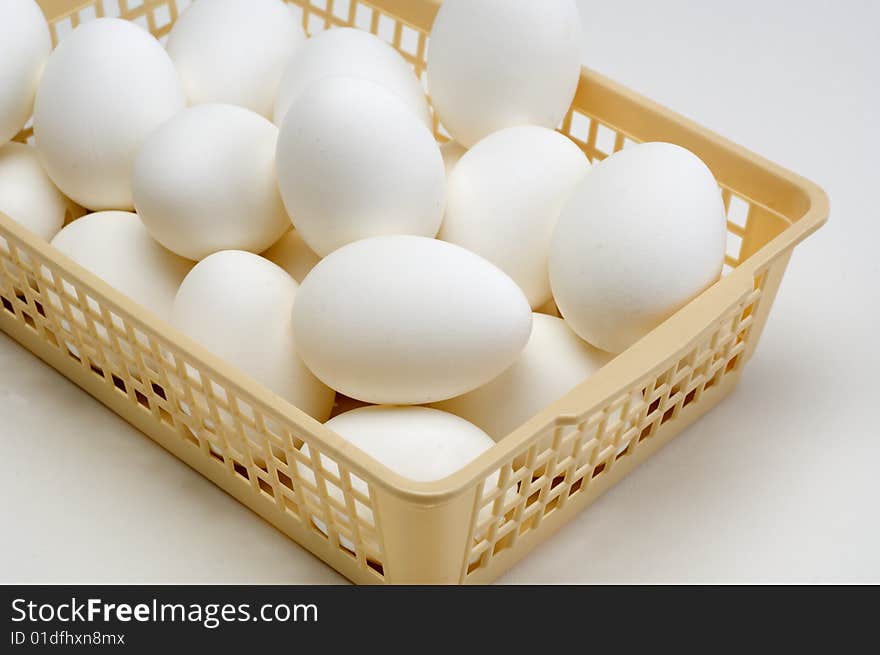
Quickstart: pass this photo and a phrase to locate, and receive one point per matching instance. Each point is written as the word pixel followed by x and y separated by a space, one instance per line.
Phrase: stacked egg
pixel 282 200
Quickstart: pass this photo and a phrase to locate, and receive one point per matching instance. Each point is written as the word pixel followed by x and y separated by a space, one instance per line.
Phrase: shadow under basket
pixel 458 530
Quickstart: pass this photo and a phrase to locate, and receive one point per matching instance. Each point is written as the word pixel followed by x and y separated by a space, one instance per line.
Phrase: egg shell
pixel 418 443
pixel 204 181
pixel 238 306
pixel 494 64
pixel 554 361
pixel 234 51
pixel 27 195
pixel 504 197
pixel 350 52
pixel 292 254
pixel 643 234
pixel 354 162
pixel 105 88
pixel 452 152
pixel 25 45
pixel 116 247
pixel 408 320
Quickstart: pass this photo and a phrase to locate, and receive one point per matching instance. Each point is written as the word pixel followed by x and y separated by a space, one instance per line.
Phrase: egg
pixel 504 197
pixel 554 361
pixel 292 254
pixel 105 88
pixel 350 52
pixel 237 305
pixel 354 162
pixel 408 320
pixel 27 195
pixel 644 233
pixel 205 181
pixel 234 51
pixel 116 247
pixel 418 443
pixel 25 45
pixel 452 152
pixel 494 64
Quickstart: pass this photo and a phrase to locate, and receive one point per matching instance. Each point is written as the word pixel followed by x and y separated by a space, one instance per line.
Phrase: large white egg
pixel 205 181
pixel 105 88
pixel 25 45
pixel 292 254
pixel 554 362
pixel 350 52
pixel 404 320
pixel 234 51
pixel 500 63
pixel 418 443
pixel 238 305
pixel 504 197
pixel 27 195
pixel 116 247
pixel 642 235
pixel 355 162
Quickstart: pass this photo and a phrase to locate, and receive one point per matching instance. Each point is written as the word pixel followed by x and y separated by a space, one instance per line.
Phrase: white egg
pixel 418 443
pixel 351 52
pixel 504 197
pixel 452 152
pixel 205 181
pixel 354 162
pixel 238 305
pixel 404 320
pixel 500 63
pixel 116 247
pixel 292 254
pixel 234 51
pixel 554 362
pixel 105 88
pixel 27 195
pixel 25 45
pixel 642 235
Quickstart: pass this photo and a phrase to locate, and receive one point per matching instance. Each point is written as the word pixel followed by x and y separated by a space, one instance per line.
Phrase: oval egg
pixel 116 247
pixel 205 181
pixel 237 305
pixel 350 52
pixel 504 197
pixel 25 45
pixel 494 64
pixel 354 162
pixel 554 361
pixel 408 320
pixel 643 234
pixel 27 195
pixel 234 51
pixel 105 88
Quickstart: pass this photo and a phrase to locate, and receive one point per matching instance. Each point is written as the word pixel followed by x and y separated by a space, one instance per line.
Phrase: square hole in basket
pixel 87 13
pixel 161 16
pixel 7 305
pixel 63 27
pixel 734 246
pixel 409 40
pixel 738 211
pixel 342 9
pixel 580 127
pixel 363 17
pixel 315 24
pixel 385 30
pixel 605 138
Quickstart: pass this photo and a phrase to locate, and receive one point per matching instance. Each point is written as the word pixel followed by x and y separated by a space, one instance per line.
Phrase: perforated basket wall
pixel 388 529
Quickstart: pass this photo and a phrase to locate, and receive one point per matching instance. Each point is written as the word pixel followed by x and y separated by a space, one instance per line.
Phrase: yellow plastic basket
pixel 248 441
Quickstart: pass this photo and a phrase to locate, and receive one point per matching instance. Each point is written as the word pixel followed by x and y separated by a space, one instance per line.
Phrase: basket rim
pixel 664 343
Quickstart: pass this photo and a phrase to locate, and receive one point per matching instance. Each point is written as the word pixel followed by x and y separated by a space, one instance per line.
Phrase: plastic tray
pixel 248 441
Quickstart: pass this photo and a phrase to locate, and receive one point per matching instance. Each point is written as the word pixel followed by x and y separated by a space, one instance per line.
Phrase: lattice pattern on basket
pixel 265 452
pixel 564 463
pixel 257 447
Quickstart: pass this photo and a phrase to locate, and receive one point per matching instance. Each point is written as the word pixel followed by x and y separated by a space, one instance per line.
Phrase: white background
pixel 778 484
